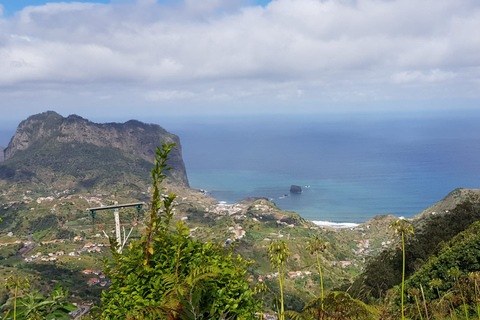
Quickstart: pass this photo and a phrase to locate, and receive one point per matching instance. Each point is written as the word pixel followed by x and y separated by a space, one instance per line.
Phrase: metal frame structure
pixel 116 213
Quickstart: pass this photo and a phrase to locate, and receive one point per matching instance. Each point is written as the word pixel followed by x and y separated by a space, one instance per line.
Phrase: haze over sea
pixel 356 166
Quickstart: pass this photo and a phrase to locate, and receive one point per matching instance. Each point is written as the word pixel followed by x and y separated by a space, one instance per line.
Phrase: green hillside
pixel 450 201
pixel 383 272
pixel 56 168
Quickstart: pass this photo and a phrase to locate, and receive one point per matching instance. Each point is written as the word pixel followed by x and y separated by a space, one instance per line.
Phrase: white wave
pixel 336 224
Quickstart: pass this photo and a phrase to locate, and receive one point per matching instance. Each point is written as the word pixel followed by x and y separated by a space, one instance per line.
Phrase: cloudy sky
pixel 123 59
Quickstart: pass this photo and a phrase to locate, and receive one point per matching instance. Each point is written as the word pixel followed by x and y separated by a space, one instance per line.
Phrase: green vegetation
pixel 278 251
pixel 169 275
pixel 33 305
pixel 74 153
pixel 335 305
pixel 447 281
pixel 54 306
pixel 15 283
pixel 196 260
pixel 383 271
pixel 315 246
pixel 433 293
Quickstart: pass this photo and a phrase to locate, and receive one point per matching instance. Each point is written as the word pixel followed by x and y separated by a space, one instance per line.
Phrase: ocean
pixel 350 167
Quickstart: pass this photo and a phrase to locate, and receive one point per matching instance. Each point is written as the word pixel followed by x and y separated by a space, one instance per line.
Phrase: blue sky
pixel 12 6
pixel 124 59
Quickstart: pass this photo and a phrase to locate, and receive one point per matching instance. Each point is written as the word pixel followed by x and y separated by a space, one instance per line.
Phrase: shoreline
pixel 336 225
pixel 321 223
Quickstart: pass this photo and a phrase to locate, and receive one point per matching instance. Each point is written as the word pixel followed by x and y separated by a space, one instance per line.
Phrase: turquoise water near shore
pixel 356 167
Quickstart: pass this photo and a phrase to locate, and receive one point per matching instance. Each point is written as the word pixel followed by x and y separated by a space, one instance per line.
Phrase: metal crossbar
pixel 119 206
pixel 116 207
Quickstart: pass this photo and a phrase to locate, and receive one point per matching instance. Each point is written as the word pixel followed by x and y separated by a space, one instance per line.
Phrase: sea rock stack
pixel 295 189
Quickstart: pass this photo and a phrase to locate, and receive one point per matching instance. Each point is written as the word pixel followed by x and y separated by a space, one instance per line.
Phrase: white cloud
pixel 418 76
pixel 312 50
pixel 168 95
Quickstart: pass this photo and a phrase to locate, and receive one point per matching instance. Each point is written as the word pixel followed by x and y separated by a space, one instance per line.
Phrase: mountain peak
pixel 74 117
pixel 50 141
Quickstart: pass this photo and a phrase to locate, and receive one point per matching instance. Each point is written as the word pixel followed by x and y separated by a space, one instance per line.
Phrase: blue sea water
pixel 356 166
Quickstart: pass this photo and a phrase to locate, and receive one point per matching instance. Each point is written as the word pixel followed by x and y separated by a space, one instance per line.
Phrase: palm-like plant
pixel 278 251
pixel 316 246
pixel 403 228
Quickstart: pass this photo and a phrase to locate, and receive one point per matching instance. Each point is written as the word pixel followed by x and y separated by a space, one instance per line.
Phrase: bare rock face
pixel 1 154
pixel 34 129
pixel 48 130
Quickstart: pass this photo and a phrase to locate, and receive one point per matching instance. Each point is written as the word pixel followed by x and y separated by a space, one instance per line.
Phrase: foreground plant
pixel 316 246
pixel 278 251
pixel 403 228
pixel 16 282
pixel 55 306
pixel 167 275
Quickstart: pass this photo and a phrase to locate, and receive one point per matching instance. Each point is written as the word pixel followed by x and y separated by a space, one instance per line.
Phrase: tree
pixel 168 275
pixel 278 251
pixel 315 246
pixel 402 227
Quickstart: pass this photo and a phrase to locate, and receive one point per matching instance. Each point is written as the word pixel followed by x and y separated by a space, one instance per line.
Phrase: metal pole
pixel 116 207
pixel 117 228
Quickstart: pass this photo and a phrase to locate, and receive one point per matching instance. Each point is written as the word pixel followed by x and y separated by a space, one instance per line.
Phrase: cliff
pixel 48 148
pixel 1 154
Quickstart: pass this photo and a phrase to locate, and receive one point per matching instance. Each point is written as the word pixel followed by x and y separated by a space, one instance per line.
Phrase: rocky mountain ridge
pixel 1 154
pixel 48 147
